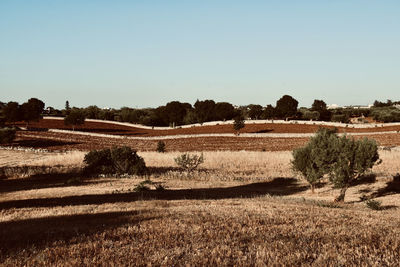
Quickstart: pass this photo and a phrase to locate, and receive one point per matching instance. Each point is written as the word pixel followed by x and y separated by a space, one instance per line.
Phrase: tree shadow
pixel 47 180
pixel 391 188
pixel 42 143
pixel 21 234
pixel 276 187
pixel 263 131
pixel 365 179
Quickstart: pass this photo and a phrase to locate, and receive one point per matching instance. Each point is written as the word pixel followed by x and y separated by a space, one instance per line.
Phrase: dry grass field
pixel 240 208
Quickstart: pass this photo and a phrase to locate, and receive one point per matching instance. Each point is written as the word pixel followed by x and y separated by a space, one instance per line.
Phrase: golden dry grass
pixel 233 211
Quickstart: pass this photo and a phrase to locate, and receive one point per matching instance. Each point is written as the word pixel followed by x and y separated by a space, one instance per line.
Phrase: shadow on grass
pixel 42 143
pixel 49 180
pixel 391 188
pixel 263 131
pixel 21 234
pixel 276 187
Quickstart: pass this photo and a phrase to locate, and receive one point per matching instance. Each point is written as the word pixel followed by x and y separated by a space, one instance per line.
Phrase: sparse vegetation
pixel 373 204
pixel 161 147
pixel 189 162
pixel 7 135
pixel 117 160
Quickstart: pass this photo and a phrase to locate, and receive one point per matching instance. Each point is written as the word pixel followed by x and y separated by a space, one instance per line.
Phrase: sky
pixel 147 53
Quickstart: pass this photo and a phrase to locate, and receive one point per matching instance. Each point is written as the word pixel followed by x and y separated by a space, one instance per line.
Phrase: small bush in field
pixel 374 204
pixel 189 162
pixel 161 147
pixel 117 160
pixel 7 135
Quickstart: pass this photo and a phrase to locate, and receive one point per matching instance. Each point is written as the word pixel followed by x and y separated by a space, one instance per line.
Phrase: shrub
pixel 374 204
pixel 238 123
pixel 189 162
pixel 117 160
pixel 343 159
pixel 313 160
pixel 7 135
pixel 161 147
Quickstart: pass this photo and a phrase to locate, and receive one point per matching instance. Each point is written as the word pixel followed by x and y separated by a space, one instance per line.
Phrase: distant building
pixel 332 106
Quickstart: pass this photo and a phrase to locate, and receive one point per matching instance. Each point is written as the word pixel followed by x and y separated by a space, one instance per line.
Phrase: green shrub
pixel 161 147
pixel 238 123
pixel 343 159
pixel 7 135
pixel 313 160
pixel 189 162
pixel 374 204
pixel 117 160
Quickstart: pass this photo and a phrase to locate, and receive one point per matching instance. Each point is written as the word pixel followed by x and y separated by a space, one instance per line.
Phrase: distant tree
pixel 92 112
pixel 67 107
pixel 224 111
pixel 175 112
pixel 204 110
pixel 255 111
pixel 12 112
pixel 320 107
pixel 32 110
pixel 238 123
pixel 286 106
pixel 269 112
pixel 190 117
pixel 75 117
pixel 311 115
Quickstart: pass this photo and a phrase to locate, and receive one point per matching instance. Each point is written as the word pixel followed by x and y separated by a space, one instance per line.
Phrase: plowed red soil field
pixel 114 129
pixel 62 142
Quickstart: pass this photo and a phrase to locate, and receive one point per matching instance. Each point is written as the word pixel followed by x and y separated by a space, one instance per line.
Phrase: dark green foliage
pixel 224 111
pixel 32 110
pixel 311 115
pixel 386 114
pixel 313 161
pixel 238 123
pixel 205 110
pixel 374 204
pixel 343 159
pixel 7 135
pixel 117 160
pixel 255 111
pixel 161 147
pixel 74 118
pixel 13 112
pixel 189 162
pixel 340 118
pixel 286 107
pixel 268 113
pixel 320 107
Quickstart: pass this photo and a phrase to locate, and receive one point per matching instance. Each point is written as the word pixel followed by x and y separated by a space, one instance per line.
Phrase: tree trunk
pixel 312 188
pixel 340 198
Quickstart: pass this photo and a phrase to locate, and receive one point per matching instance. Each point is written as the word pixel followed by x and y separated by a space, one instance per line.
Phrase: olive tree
pixel 342 159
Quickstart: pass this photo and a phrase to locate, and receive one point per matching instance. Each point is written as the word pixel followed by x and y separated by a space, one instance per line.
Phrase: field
pixel 240 208
pixel 244 206
pixel 254 137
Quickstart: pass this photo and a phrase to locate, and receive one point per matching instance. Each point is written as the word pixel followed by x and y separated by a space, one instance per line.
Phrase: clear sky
pixel 147 53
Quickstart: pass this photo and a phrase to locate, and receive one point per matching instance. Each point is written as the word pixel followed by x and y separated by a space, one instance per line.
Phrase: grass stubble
pixel 254 221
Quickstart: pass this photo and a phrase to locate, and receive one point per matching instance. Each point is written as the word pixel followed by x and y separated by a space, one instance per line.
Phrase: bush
pixel 314 159
pixel 118 160
pixel 189 162
pixel 343 159
pixel 161 147
pixel 238 123
pixel 7 135
pixel 374 204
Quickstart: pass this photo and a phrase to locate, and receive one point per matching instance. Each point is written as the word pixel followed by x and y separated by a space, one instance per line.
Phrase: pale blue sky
pixel 147 53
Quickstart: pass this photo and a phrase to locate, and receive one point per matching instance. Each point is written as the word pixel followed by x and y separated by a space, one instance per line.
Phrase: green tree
pixel 238 123
pixel 320 107
pixel 224 111
pixel 75 117
pixel 32 110
pixel 353 159
pixel 255 111
pixel 269 112
pixel 286 107
pixel 343 159
pixel 12 112
pixel 313 160
pixel 205 110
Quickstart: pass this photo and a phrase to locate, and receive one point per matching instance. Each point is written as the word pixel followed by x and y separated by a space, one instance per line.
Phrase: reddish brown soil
pixel 106 128
pixel 61 141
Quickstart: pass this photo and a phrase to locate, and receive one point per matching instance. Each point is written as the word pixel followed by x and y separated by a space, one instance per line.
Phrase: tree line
pixel 177 113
